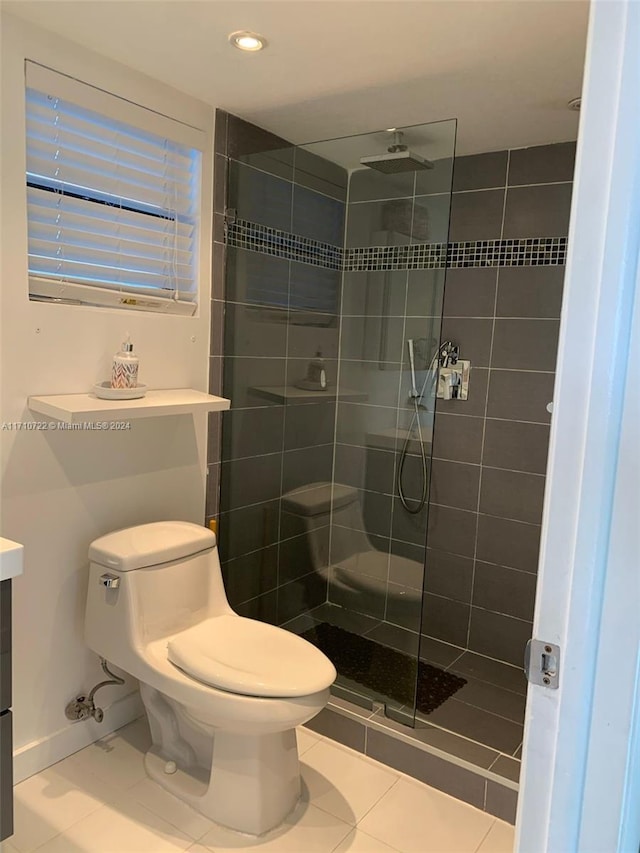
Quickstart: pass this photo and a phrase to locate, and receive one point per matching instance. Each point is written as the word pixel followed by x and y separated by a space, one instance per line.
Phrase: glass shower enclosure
pixel 336 262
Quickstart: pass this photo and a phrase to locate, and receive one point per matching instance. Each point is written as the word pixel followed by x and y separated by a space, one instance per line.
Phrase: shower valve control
pixel 453 381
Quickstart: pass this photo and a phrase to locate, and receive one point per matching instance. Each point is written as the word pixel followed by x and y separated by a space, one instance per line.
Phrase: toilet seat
pixel 250 658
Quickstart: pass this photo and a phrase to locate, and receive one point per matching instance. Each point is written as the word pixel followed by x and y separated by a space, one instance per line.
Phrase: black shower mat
pixel 383 670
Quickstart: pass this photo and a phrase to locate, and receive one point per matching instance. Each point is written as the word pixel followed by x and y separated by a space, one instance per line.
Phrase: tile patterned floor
pixel 100 801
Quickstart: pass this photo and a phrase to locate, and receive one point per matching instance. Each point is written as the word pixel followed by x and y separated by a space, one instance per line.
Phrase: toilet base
pixel 243 780
pixel 254 782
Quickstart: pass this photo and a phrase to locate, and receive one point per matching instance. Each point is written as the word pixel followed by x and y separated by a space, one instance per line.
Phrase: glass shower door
pixel 369 520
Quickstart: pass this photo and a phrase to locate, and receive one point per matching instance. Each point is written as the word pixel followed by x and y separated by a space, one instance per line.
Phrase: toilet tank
pixel 315 501
pixel 167 578
pixel 312 505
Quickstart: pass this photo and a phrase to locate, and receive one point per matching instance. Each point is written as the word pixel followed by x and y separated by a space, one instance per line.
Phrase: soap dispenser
pixel 124 372
pixel 316 378
pixel 317 374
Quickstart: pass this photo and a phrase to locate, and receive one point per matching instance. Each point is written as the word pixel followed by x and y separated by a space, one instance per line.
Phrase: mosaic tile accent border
pixel 527 251
pixel 415 256
pixel 243 234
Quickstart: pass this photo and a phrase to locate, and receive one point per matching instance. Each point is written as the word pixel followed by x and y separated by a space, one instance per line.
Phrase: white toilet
pixel 223 694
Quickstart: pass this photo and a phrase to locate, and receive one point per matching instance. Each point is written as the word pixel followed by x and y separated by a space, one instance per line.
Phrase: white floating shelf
pixel 11 557
pixel 87 408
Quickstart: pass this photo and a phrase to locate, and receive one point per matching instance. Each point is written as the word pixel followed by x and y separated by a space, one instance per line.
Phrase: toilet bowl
pixel 354 568
pixel 223 694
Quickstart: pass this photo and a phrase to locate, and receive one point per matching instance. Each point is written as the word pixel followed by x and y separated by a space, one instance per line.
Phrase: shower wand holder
pixel 453 381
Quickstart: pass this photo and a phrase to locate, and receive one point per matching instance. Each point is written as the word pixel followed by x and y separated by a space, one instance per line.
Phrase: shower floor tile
pixel 495 700
pixel 439 653
pixel 477 724
pixel 350 804
pixel 489 709
pixel 484 717
pixel 491 671
pixel 395 637
pixel 359 623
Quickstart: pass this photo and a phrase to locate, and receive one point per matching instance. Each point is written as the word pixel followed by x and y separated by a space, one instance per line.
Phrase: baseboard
pixel 40 754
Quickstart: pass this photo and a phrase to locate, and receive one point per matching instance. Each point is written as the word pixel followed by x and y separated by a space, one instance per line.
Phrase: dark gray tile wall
pixel 481 564
pixel 270 316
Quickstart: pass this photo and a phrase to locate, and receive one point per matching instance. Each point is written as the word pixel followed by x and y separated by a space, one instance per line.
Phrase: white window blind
pixel 113 208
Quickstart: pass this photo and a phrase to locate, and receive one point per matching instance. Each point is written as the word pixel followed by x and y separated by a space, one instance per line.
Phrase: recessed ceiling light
pixel 245 40
pixel 575 104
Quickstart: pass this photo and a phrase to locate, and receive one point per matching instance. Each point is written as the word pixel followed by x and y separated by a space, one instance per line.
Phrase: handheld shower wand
pixel 415 396
pixel 414 390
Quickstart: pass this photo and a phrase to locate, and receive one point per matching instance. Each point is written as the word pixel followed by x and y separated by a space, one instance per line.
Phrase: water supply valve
pixel 84 707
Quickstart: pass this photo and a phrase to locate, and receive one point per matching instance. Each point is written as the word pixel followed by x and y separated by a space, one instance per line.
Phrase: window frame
pixel 87 95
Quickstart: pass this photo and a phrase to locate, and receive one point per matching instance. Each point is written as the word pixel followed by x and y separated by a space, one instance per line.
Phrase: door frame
pixel 580 782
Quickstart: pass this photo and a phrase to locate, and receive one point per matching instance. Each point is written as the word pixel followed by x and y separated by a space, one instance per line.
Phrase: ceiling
pixel 504 68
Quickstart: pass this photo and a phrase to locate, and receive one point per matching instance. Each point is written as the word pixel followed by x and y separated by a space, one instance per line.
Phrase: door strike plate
pixel 542 663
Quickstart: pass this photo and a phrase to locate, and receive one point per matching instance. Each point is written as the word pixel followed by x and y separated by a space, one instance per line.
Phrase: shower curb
pixel 348 724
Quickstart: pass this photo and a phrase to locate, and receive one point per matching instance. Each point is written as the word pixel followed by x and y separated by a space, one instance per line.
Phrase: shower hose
pixel 415 509
pixel 415 420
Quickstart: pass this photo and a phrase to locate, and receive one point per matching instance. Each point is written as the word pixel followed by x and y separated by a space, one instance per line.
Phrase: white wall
pixel 60 490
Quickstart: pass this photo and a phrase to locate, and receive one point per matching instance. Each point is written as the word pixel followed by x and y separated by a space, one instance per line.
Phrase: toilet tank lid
pixel 150 544
pixel 317 498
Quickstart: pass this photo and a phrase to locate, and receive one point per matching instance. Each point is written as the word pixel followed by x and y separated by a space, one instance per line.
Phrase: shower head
pixel 397 159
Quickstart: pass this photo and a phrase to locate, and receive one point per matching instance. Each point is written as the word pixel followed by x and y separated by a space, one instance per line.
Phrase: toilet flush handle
pixel 110 581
